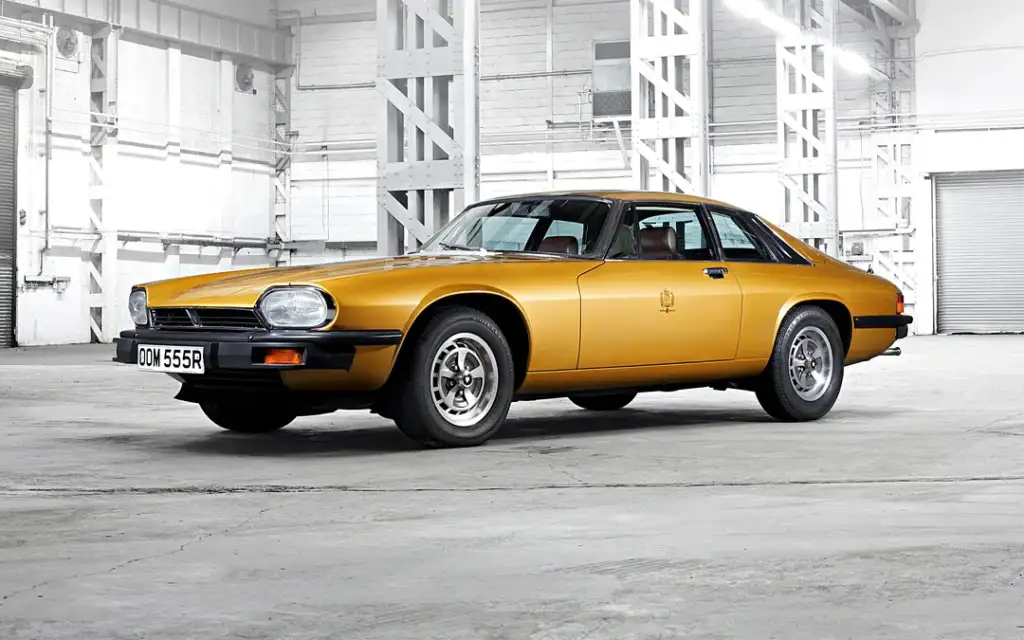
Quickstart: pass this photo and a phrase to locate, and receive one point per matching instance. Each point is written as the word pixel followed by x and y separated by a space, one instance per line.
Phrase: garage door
pixel 979 232
pixel 8 215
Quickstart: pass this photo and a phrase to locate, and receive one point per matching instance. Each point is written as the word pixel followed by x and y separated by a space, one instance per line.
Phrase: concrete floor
pixel 125 514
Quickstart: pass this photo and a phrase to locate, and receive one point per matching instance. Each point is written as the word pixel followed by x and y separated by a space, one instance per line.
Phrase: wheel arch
pixel 835 307
pixel 498 305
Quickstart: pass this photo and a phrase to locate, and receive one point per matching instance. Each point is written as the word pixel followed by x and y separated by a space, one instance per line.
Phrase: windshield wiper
pixel 458 247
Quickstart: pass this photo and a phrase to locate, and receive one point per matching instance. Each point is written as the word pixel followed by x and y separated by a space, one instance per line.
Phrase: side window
pixel 738 242
pixel 671 233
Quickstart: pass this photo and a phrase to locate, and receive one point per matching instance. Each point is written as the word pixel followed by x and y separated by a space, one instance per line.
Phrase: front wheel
pixel 610 402
pixel 242 417
pixel 805 373
pixel 457 387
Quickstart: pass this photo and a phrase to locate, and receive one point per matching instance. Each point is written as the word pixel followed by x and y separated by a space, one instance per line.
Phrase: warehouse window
pixel 611 81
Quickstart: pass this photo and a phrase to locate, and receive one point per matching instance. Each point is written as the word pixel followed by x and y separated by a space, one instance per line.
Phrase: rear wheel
pixel 245 417
pixel 805 374
pixel 456 388
pixel 609 402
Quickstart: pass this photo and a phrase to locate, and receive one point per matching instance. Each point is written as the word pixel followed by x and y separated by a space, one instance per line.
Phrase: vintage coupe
pixel 590 296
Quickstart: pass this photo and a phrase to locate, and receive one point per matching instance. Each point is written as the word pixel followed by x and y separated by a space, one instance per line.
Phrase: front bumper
pixel 898 322
pixel 245 350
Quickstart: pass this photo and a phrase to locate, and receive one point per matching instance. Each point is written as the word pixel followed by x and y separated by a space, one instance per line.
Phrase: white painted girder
pixel 806 115
pixel 102 281
pixel 428 142
pixel 668 62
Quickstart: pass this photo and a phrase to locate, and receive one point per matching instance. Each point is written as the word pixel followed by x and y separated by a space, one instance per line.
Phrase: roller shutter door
pixel 979 233
pixel 8 214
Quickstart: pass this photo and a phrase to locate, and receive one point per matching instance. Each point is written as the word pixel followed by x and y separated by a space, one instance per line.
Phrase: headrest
pixel 658 241
pixel 560 244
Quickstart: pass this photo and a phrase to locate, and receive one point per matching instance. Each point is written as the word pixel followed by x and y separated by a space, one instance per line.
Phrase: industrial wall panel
pixel 8 212
pixel 979 229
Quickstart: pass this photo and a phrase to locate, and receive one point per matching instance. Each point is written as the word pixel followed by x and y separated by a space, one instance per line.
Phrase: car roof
pixel 613 194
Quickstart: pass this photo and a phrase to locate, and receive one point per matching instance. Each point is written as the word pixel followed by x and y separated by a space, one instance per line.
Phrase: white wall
pixel 193 157
pixel 254 11
pixel 970 100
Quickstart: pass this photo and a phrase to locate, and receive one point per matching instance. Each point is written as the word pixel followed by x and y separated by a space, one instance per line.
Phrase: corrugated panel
pixel 8 214
pixel 980 265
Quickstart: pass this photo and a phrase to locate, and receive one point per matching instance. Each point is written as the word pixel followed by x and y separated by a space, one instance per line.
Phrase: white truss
pixel 893 102
pixel 888 248
pixel 669 88
pixel 428 164
pixel 103 145
pixel 281 233
pixel 805 64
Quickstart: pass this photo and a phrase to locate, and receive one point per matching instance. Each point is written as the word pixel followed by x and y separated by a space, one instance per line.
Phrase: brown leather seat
pixel 658 243
pixel 560 244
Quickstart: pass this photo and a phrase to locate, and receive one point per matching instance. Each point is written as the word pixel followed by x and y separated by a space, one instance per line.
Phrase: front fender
pixel 450 291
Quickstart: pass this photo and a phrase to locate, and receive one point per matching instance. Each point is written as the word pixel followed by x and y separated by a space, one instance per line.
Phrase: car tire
pixel 243 417
pixel 805 374
pixel 456 388
pixel 609 402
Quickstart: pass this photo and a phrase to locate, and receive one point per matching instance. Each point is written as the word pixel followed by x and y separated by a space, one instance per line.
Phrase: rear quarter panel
pixel 770 291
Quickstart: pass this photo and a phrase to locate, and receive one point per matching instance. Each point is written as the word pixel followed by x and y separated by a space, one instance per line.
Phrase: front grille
pixel 171 318
pixel 228 318
pixel 206 318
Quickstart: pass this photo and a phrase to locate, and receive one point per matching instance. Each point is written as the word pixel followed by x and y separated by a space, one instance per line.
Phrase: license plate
pixel 168 359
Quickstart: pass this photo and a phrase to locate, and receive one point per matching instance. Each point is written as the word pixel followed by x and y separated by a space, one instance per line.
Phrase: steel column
pixel 281 228
pixel 668 64
pixel 891 141
pixel 806 86
pixel 428 163
pixel 103 158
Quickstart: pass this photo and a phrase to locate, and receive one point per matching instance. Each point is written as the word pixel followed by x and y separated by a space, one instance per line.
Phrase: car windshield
pixel 544 225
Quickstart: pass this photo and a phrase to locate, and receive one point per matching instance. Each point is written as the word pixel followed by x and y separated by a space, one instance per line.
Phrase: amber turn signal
pixel 283 356
pixel 899 303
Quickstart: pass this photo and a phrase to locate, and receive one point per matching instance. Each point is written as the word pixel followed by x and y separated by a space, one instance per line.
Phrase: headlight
pixel 137 308
pixel 295 308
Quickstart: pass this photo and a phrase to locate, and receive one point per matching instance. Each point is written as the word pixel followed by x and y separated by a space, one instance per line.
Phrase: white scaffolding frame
pixel 428 165
pixel 103 155
pixel 668 65
pixel 281 228
pixel 806 113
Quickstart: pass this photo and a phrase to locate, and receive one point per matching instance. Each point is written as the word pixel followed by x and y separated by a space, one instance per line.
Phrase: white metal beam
pixel 428 73
pixel 806 85
pixel 892 145
pixel 668 62
pixel 102 279
pixel 179 23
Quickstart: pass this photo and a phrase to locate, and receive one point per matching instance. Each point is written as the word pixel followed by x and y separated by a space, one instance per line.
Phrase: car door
pixel 766 268
pixel 662 296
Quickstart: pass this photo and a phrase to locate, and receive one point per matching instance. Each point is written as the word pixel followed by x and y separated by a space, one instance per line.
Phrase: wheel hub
pixel 811 364
pixel 464 379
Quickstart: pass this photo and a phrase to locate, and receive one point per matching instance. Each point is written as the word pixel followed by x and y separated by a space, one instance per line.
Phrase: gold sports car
pixel 590 296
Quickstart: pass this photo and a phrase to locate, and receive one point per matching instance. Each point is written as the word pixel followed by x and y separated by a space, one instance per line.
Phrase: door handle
pixel 716 273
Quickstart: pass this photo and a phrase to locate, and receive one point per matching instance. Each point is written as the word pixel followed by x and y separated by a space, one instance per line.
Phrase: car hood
pixel 243 288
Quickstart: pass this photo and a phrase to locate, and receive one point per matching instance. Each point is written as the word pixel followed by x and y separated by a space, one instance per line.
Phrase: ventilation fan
pixel 244 79
pixel 67 43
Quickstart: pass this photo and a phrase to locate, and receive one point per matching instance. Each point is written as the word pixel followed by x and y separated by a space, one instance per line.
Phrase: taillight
pixel 899 303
